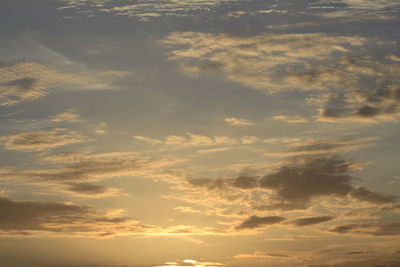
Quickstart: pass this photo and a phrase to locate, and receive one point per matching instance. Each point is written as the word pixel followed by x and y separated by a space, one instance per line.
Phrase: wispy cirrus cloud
pixel 144 10
pixel 85 167
pixel 40 140
pixel 22 81
pixel 197 140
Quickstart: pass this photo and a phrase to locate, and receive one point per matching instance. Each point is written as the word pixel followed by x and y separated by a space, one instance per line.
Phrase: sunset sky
pixel 199 133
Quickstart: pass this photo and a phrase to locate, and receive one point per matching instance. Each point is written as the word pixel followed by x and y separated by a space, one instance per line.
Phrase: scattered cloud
pixel 360 87
pixel 294 185
pixel 267 62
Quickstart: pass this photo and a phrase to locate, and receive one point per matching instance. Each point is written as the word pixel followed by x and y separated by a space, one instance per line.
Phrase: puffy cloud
pixel 28 80
pixel 69 116
pixel 237 121
pixel 311 220
pixel 249 139
pixel 40 140
pixel 255 222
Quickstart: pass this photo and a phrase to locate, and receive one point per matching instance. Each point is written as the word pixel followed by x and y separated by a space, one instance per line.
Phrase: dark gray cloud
pixel 256 222
pixel 311 220
pixel 296 184
pixel 245 182
pixel 65 219
pixel 29 215
pixel 91 190
pixel 302 179
pixel 364 194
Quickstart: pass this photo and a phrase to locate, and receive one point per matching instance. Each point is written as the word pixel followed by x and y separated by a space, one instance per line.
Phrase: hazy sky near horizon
pixel 199 133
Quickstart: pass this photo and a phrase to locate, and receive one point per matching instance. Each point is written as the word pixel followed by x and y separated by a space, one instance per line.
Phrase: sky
pixel 199 133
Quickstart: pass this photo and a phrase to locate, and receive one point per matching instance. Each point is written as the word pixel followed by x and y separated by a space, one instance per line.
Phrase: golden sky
pixel 199 133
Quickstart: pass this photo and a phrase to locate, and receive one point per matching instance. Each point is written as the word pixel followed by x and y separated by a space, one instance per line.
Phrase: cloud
pixel 255 222
pixel 40 140
pixel 85 167
pixel 69 116
pixel 364 194
pixel 22 81
pixel 197 140
pixel 294 185
pixel 146 10
pixel 190 263
pixel 290 119
pixel 246 140
pixel 361 10
pixel 369 228
pixel 362 87
pixel 45 218
pixel 311 220
pixel 267 62
pixel 31 217
pixel 314 147
pixel 261 254
pixel 91 190
pixel 237 121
